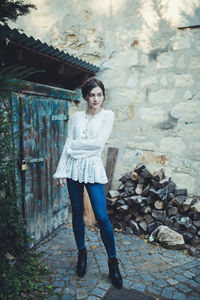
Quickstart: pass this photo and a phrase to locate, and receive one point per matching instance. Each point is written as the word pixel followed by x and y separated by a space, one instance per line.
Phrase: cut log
pixel 186 222
pixel 156 184
pixel 180 192
pixel 113 194
pixel 146 174
pixel 187 203
pixel 129 201
pixel 196 216
pixel 196 223
pixel 158 176
pixel 124 179
pixel 196 207
pixel 158 215
pixel 136 199
pixel 151 226
pixel 145 191
pixel 141 180
pixel 158 204
pixel 170 187
pixel 143 225
pixel 168 222
pixel 138 189
pixel 195 241
pixel 186 235
pixel 145 209
pixel 175 218
pixel 135 213
pixel 139 168
pixel 127 217
pixel 150 200
pixel 157 194
pixel 192 229
pixel 139 218
pixel 123 208
pixel 129 183
pixel 123 195
pixel 121 187
pixel 159 184
pixel 111 202
pixel 148 218
pixel 133 176
pixel 128 190
pixel 121 202
pixel 170 196
pixel 172 210
pixel 179 200
pixel 134 227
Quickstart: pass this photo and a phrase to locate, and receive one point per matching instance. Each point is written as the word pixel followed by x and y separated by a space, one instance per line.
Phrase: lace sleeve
pixel 83 148
pixel 61 168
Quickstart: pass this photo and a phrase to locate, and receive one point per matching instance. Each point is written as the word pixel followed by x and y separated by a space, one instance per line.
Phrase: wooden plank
pixel 110 165
pixel 46 90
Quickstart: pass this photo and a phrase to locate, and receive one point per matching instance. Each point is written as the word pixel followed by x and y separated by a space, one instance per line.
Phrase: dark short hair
pixel 89 84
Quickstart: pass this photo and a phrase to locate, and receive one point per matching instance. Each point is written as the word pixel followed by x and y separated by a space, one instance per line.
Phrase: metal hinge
pixel 34 160
pixel 60 117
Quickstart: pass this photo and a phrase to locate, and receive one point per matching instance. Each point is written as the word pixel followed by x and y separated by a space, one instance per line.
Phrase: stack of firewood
pixel 146 200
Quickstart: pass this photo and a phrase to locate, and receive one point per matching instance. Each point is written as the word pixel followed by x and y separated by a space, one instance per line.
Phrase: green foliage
pixel 23 278
pixel 12 229
pixel 11 10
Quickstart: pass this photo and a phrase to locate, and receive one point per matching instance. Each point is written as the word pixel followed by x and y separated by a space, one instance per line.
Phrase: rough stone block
pixel 147 80
pixel 162 96
pixel 167 145
pixel 194 62
pixel 186 110
pixel 152 114
pixel 165 60
pixel 181 42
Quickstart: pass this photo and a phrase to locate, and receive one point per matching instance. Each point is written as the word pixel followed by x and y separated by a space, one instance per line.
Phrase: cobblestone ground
pixel 155 271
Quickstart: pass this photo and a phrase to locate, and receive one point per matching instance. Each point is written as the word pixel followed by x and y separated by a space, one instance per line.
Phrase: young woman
pixel 81 165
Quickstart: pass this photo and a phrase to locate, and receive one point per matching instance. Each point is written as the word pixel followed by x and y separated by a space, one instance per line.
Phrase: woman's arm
pixel 82 148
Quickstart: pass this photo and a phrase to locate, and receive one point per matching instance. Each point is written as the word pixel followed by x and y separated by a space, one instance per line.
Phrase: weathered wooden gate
pixel 41 118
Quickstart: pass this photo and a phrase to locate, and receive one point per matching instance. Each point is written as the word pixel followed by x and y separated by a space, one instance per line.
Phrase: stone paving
pixel 155 271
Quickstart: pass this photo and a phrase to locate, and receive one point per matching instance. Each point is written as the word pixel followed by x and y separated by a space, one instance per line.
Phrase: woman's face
pixel 95 98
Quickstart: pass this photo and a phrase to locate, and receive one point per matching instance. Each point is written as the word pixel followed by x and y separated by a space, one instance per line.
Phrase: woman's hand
pixel 62 181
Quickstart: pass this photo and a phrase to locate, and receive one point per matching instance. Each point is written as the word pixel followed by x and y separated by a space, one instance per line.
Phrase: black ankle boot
pixel 81 263
pixel 114 273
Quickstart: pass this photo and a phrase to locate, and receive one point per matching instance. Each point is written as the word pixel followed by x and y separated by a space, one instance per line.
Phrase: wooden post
pixel 88 214
pixel 110 165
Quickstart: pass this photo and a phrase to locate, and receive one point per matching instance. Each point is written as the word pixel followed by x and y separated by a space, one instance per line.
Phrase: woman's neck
pixel 93 111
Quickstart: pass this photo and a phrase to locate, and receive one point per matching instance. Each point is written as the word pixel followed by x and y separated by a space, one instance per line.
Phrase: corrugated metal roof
pixel 21 38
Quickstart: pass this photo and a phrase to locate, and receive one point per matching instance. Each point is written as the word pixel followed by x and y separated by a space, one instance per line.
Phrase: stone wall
pixel 151 71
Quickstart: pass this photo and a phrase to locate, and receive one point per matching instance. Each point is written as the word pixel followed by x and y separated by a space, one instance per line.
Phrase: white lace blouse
pixel 81 155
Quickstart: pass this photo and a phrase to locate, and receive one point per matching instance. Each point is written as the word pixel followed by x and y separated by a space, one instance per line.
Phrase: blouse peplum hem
pixel 87 170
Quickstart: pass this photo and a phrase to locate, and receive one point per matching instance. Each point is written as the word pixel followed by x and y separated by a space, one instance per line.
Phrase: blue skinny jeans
pixel 96 193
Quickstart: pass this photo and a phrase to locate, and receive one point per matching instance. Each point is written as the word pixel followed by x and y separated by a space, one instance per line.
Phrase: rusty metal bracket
pixel 34 160
pixel 60 117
